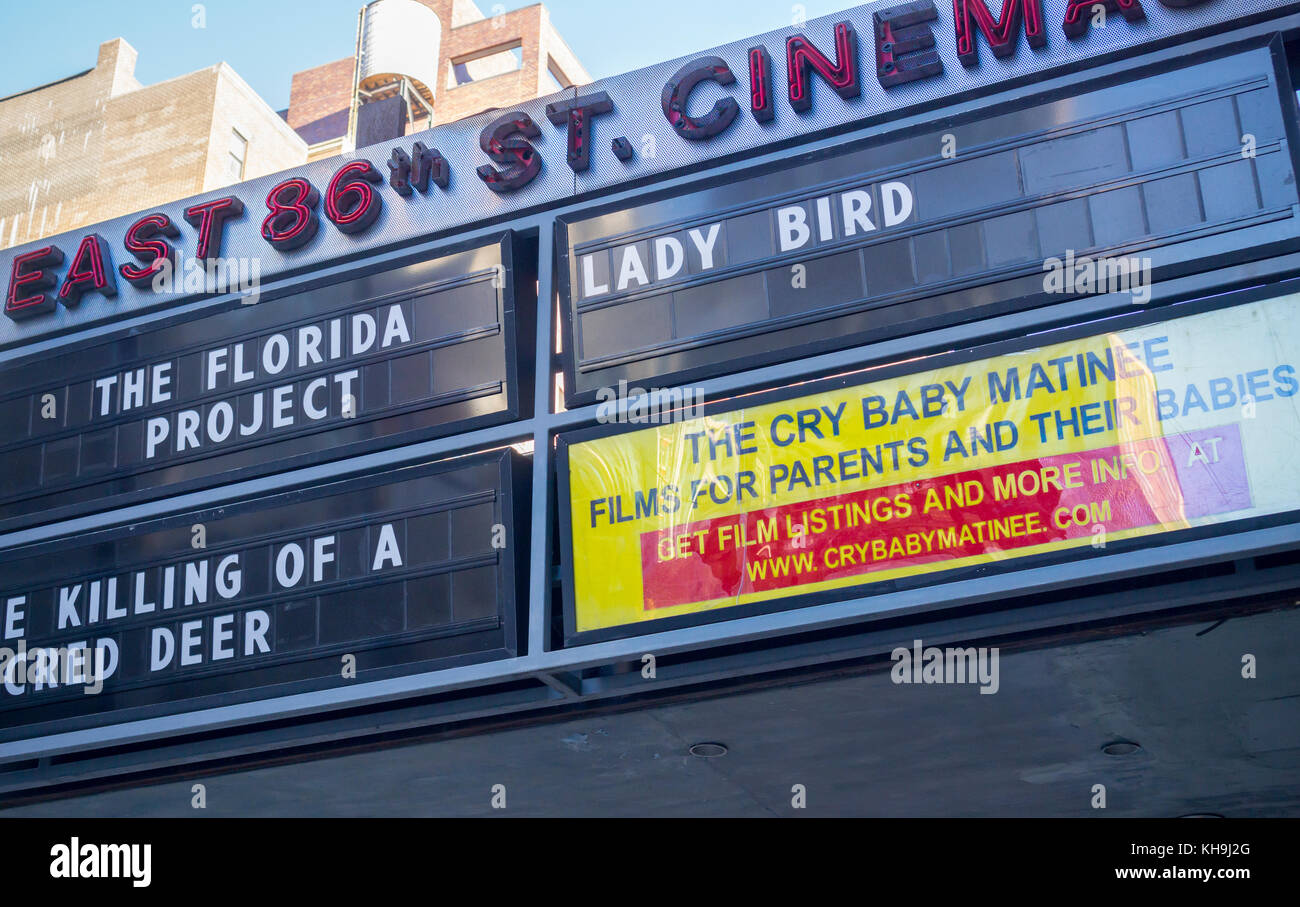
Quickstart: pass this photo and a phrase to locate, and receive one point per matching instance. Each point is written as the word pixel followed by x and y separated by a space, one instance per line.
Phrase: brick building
pixel 99 144
pixel 482 62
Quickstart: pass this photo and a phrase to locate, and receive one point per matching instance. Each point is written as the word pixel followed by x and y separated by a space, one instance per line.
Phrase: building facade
pixel 100 144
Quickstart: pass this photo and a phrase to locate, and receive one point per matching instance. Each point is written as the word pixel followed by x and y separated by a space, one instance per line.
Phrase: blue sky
pixel 266 41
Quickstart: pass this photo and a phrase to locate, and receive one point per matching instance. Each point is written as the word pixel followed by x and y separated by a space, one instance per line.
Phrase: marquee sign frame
pixel 547 674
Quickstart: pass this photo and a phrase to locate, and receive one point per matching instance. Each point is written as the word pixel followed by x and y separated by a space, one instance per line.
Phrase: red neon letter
pixel 760 85
pixel 970 15
pixel 904 43
pixel 293 220
pixel 90 270
pixel 351 203
pixel 1077 12
pixel 801 58
pixel 210 218
pixel 140 241
pixel 30 272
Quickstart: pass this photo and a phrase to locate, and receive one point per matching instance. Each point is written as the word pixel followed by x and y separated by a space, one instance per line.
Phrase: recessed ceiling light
pixel 708 750
pixel 1120 748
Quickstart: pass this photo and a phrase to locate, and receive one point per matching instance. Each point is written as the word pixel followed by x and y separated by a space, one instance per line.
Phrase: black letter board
pixel 408 570
pixel 386 358
pixel 888 237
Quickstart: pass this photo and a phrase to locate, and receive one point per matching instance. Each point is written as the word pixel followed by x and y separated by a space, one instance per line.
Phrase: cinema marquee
pixel 979 305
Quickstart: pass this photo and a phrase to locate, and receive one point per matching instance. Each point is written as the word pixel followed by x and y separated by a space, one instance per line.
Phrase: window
pixel 554 78
pixel 486 65
pixel 238 152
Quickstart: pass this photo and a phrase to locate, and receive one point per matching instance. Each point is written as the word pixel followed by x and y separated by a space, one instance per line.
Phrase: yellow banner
pixel 1077 444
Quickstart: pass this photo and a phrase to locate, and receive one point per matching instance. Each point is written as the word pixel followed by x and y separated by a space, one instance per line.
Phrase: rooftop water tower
pixel 398 44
